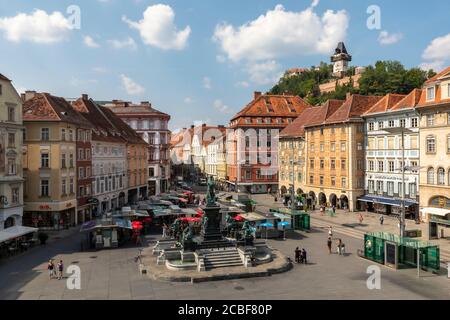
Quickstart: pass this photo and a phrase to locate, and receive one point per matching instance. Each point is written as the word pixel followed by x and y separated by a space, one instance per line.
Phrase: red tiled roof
pixel 353 108
pixel 311 116
pixel 439 75
pixel 410 101
pixel 282 106
pixel 45 107
pixel 107 126
pixel 130 109
pixel 385 104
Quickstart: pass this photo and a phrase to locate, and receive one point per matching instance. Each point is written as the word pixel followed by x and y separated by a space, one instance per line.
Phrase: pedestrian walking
pixel 60 269
pixel 339 246
pixel 330 231
pixel 361 218
pixel 50 268
pixel 297 255
pixel 334 209
pixel 329 243
pixel 304 260
pixel 381 220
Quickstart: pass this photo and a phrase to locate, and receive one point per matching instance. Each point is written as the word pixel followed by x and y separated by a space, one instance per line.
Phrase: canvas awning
pixel 15 232
pixel 387 201
pixel 253 216
pixel 436 211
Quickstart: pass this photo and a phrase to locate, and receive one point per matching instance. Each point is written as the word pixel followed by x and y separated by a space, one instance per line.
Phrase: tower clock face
pixel 338 66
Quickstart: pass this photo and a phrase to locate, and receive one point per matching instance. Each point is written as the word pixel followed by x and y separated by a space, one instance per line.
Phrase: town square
pixel 295 151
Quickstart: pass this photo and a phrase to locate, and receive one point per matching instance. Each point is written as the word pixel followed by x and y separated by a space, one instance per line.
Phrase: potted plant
pixel 42 237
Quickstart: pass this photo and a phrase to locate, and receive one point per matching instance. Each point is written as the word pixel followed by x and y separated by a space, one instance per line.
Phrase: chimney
pixel 348 95
pixel 84 96
pixel 192 126
pixel 115 101
pixel 29 95
pixel 257 94
pixel 22 97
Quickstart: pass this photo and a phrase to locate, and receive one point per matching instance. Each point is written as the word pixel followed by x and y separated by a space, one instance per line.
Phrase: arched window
pixel 441 176
pixel 430 176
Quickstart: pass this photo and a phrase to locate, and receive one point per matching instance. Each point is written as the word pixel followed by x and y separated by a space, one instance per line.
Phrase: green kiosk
pixel 300 220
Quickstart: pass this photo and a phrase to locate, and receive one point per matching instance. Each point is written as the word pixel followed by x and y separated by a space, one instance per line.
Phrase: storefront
pixel 54 216
pixel 389 206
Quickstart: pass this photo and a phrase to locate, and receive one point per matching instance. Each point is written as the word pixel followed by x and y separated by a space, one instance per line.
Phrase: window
pixel 81 191
pixel 359 146
pixel 311 179
pixel 70 135
pixel 430 176
pixel 430 93
pixel 402 123
pixel 381 166
pixel 72 190
pixel 333 164
pixel 414 164
pixel 343 164
pixel 322 164
pixel 80 172
pixel 371 126
pixel 63 134
pixel 312 147
pixel 391 166
pixel 63 160
pixel 371 186
pixel 448 114
pixel 380 187
pixel 333 181
pixel 11 114
pixel 441 176
pixel 333 147
pixel 45 160
pixel 64 186
pixel 80 154
pixel 11 166
pixel 258 174
pixel 45 134
pixel 360 128
pixel 71 160
pixel 359 164
pixel 414 122
pixel 390 188
pixel 332 130
pixel 311 164
pixel 431 144
pixel 321 131
pixel 322 147
pixel 344 182
pixel 44 188
pixel 15 195
pixel 343 146
pixel 380 125
pixel 400 189
pixel 11 140
pixel 321 180
pixel 430 120
pixel 371 165
pixel 391 123
pixel 412 190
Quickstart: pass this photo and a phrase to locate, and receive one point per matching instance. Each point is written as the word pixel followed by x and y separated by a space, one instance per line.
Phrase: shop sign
pixel 44 207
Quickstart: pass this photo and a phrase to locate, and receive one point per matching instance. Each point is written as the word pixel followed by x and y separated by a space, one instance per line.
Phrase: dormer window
pixel 430 93
pixel 248 120
pixel 269 105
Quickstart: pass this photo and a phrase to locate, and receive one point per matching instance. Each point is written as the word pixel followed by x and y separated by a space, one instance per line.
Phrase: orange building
pixel 252 142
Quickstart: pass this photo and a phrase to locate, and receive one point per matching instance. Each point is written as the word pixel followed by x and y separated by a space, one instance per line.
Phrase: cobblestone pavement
pixel 113 274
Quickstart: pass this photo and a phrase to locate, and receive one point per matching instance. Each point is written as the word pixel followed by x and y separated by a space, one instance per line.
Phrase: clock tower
pixel 340 60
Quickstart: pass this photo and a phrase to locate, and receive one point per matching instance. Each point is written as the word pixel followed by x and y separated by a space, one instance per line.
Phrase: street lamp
pixel 402 131
pixel 293 163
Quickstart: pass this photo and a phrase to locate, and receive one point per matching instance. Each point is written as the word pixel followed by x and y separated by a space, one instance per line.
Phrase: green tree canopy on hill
pixel 382 78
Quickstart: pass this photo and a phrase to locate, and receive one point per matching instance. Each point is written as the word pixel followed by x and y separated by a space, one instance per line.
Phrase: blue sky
pixel 192 59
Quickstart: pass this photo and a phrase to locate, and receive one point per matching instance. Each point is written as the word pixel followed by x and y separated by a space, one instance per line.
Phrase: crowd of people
pixel 55 270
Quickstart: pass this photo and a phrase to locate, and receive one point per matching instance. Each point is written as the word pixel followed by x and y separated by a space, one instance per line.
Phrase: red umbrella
pixel 199 212
pixel 137 225
pixel 239 218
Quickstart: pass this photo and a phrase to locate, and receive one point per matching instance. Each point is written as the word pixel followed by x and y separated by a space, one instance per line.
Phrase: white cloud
pixel 157 28
pixel 385 38
pixel 243 84
pixel 121 44
pixel 38 27
pixel 283 33
pixel 221 107
pixel 90 42
pixel 267 72
pixel 188 100
pixel 131 87
pixel 437 53
pixel 100 69
pixel 207 83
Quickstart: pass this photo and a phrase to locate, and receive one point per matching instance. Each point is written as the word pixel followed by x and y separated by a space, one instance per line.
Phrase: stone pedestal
pixel 211 231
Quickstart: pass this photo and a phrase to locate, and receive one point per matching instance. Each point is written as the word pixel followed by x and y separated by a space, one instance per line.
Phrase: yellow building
pixel 11 181
pixel 335 152
pixel 434 110
pixel 49 161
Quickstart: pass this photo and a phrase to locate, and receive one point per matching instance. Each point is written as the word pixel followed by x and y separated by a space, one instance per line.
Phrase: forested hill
pixel 382 78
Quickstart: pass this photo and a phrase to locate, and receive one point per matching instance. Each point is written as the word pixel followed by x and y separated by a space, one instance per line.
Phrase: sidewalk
pixel 348 223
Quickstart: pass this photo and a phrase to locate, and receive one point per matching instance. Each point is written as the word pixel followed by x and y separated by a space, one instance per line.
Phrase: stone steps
pixel 222 258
